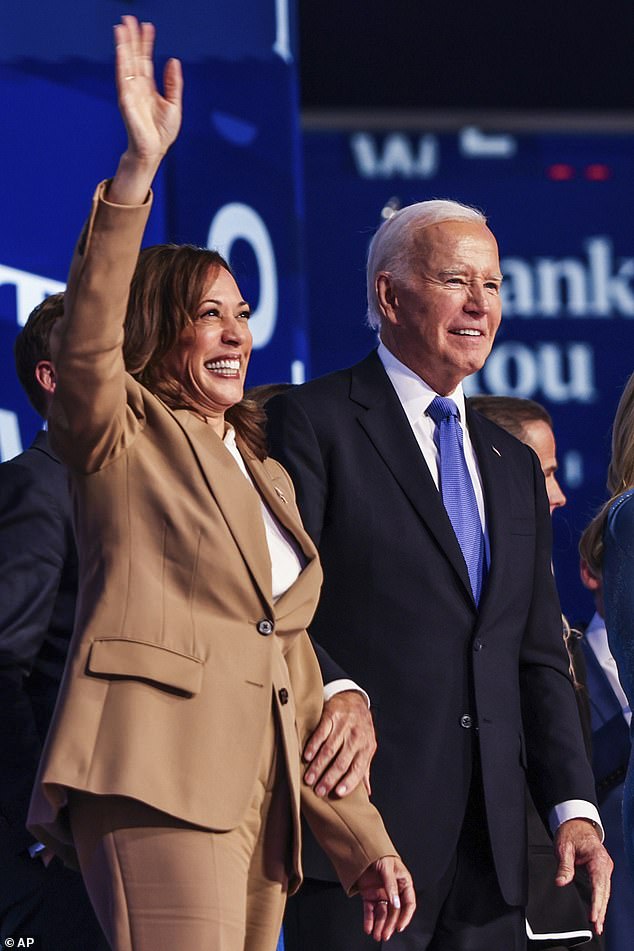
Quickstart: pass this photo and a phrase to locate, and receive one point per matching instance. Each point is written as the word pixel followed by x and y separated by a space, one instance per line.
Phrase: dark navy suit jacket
pixel 397 613
pixel 38 582
pixel 610 733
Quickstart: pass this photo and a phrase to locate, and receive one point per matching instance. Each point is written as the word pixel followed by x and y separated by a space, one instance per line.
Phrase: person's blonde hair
pixel 620 478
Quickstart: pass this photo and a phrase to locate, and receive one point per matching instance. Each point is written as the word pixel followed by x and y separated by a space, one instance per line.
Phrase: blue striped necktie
pixel 457 490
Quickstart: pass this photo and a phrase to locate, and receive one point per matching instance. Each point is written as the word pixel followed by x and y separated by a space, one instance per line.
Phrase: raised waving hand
pixel 152 120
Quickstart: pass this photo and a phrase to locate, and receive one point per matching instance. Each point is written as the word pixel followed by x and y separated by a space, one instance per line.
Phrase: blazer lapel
pixel 496 500
pixel 604 703
pixel 384 420
pixel 237 500
pixel 276 495
pixel 296 606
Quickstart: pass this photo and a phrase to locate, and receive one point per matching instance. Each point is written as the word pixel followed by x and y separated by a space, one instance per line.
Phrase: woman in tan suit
pixel 172 768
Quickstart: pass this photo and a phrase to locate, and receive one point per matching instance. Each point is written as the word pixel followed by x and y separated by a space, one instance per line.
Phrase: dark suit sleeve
pixel 330 670
pixel 32 540
pixel 32 553
pixel 557 762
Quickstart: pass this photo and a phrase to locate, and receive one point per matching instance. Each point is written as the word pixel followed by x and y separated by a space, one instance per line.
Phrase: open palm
pixel 152 120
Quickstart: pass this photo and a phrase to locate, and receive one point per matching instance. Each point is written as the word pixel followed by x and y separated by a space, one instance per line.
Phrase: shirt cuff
pixel 339 686
pixel 575 809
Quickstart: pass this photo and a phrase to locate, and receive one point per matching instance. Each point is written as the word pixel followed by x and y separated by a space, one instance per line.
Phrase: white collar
pixel 414 394
pixel 597 636
pixel 229 438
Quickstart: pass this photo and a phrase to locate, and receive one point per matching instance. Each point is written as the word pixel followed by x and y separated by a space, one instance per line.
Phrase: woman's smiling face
pixel 212 354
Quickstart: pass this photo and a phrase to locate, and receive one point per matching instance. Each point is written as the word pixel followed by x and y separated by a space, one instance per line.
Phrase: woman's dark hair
pixel 165 294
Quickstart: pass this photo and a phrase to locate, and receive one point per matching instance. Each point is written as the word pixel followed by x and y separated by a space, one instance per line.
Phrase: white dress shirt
pixel 415 396
pixel 287 560
pixel 597 638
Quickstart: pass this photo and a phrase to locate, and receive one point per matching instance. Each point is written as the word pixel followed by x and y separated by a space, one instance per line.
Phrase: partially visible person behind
pixel 559 913
pixel 266 391
pixel 611 717
pixel 531 423
pixel 171 770
pixel 607 548
pixel 38 579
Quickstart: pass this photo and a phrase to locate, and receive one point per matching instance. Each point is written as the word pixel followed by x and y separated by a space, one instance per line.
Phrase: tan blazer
pixel 178 650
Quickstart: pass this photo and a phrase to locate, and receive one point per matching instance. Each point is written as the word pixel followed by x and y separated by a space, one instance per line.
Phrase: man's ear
pixel 45 376
pixel 588 579
pixel 594 584
pixel 386 296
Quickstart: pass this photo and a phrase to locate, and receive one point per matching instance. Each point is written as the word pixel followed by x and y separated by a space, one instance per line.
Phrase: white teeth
pixel 223 367
pixel 468 333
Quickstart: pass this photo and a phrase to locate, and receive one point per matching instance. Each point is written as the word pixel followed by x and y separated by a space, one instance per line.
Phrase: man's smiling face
pixel 441 317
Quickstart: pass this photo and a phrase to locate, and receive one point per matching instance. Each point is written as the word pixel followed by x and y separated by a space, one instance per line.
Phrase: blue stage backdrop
pixel 232 181
pixel 562 208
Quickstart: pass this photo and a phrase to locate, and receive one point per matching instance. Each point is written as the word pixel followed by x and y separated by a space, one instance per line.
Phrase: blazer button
pixel 477 644
pixel 283 695
pixel 466 722
pixel 265 627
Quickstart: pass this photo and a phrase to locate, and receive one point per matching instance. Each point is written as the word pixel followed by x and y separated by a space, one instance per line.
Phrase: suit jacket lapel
pixel 276 495
pixel 237 500
pixel 496 500
pixel 603 701
pixel 383 419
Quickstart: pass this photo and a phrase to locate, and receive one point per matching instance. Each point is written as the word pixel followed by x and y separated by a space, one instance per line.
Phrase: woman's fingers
pixel 152 121
pixel 173 82
pixel 389 900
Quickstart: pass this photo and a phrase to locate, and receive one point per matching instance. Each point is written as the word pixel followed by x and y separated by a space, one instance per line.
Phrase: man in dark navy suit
pixel 458 644
pixel 39 898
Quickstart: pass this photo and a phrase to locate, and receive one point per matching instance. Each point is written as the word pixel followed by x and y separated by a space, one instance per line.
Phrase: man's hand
pixel 341 748
pixel 577 843
pixel 389 900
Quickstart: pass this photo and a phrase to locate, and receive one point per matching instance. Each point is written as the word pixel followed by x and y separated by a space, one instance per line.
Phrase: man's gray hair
pixel 390 248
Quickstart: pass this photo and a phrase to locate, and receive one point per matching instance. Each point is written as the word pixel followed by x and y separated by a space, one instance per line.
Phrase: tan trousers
pixel 158 884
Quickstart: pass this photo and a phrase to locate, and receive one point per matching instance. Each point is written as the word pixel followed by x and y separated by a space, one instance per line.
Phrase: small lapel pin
pixel 280 493
pixel 496 451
